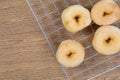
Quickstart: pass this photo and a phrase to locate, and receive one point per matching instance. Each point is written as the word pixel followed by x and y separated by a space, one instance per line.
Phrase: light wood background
pixel 24 52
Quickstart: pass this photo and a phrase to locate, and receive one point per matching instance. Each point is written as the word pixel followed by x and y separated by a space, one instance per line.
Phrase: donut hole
pixel 106 13
pixel 77 18
pixel 70 54
pixel 108 40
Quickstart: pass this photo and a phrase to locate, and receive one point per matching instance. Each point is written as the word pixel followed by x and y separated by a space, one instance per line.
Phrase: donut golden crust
pixel 70 53
pixel 107 40
pixel 105 12
pixel 76 18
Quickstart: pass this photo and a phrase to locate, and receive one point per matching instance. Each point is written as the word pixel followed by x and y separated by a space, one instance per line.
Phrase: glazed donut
pixel 76 18
pixel 70 53
pixel 107 40
pixel 105 12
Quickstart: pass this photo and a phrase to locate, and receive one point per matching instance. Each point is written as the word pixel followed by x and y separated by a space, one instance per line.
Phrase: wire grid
pixel 48 16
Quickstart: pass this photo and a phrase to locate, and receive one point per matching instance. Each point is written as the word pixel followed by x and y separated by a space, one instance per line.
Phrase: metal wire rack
pixel 48 16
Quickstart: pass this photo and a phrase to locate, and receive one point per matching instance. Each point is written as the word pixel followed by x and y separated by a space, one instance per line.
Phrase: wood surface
pixel 24 52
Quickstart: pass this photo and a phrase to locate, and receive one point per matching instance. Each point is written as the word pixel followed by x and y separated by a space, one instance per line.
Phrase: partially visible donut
pixel 76 18
pixel 107 40
pixel 105 12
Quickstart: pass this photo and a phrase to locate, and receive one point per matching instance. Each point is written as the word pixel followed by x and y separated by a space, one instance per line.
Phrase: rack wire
pixel 48 16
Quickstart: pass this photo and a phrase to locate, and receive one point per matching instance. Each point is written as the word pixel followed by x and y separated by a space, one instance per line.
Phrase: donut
pixel 70 53
pixel 75 18
pixel 107 40
pixel 105 12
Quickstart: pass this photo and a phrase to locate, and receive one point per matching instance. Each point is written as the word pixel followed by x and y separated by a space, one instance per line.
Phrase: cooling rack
pixel 48 17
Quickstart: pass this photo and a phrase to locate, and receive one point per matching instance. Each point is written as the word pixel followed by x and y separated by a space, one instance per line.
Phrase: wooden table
pixel 24 52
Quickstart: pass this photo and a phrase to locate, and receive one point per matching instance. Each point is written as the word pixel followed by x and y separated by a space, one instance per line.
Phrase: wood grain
pixel 24 52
